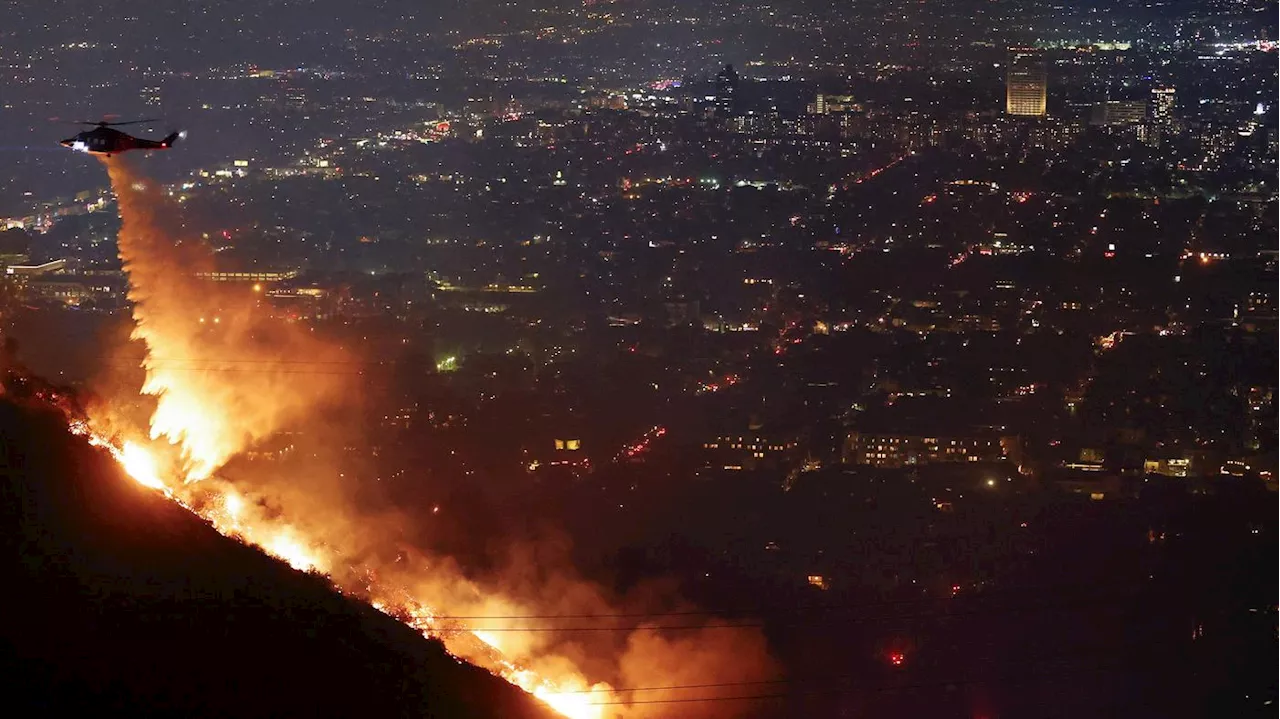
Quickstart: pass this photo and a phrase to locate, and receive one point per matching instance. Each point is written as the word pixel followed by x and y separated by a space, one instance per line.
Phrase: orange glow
pixel 233 505
pixel 187 367
pixel 285 546
pixel 140 465
pixel 221 390
pixel 488 638
pixel 569 695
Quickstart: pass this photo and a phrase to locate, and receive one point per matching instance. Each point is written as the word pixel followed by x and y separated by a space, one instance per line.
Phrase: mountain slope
pixel 117 601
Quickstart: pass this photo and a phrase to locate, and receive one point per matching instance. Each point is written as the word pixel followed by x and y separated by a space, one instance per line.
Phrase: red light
pixel 897 659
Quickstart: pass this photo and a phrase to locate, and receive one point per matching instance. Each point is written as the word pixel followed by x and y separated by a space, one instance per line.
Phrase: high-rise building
pixel 825 104
pixel 1162 99
pixel 726 91
pixel 1119 112
pixel 1026 83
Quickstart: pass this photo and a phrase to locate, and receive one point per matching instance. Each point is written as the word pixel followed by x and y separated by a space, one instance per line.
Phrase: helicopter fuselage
pixel 108 141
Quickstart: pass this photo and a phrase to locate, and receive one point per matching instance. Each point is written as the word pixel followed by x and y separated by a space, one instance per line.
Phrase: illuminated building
pixel 891 450
pixel 36 270
pixel 1026 83
pixel 1169 467
pixel 247 276
pixel 70 289
pixel 752 448
pixel 726 91
pixel 567 460
pixel 1119 112
pixel 831 104
pixel 1162 100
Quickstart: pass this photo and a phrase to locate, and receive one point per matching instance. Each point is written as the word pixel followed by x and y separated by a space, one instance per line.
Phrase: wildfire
pixel 221 387
pixel 140 465
pixel 571 697
pixel 284 545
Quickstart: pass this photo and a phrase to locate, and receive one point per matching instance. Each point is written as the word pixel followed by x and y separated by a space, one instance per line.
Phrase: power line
pixel 753 609
pixel 254 370
pixel 712 685
pixel 1010 679
pixel 798 608
pixel 268 366
pixel 250 361
pixel 824 620
pixel 1041 658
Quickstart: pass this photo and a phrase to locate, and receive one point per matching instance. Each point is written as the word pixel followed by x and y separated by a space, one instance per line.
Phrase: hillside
pixel 118 602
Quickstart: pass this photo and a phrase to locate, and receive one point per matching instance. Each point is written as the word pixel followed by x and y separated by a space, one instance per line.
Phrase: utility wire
pixel 1022 590
pixel 824 620
pixel 948 683
pixel 1063 657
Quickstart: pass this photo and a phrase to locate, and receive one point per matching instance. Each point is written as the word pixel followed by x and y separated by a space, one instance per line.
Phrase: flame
pixel 284 545
pixel 140 465
pixel 226 511
pixel 573 702
pixel 189 361
pixel 232 507
pixel 488 638
pixel 210 410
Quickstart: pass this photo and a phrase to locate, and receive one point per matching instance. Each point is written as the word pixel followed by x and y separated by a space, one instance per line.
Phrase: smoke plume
pixel 225 375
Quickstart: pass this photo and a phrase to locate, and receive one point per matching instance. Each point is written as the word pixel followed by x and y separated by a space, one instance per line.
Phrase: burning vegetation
pixel 223 375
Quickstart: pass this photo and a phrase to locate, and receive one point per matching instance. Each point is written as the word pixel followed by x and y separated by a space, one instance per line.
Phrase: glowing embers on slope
pixel 232 515
pixel 140 465
pixel 570 696
pixel 223 387
pixel 286 546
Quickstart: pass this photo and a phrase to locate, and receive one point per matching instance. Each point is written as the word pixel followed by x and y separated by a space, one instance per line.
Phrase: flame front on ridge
pixel 211 409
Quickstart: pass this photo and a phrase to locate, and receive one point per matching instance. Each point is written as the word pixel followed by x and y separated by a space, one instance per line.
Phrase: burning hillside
pixel 131 606
pixel 224 375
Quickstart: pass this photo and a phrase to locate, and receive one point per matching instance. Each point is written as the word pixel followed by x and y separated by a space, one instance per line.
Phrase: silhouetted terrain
pixel 117 602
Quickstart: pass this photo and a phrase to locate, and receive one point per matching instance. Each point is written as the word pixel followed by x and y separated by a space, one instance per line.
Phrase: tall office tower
pixel 726 89
pixel 1026 83
pixel 1162 106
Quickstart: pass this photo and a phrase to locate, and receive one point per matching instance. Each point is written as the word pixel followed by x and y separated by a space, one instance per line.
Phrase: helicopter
pixel 103 139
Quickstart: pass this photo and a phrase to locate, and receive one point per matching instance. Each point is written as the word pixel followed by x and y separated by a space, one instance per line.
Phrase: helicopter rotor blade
pixel 131 122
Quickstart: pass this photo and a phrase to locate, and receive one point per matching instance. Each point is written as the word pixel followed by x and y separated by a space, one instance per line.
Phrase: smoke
pixel 226 375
